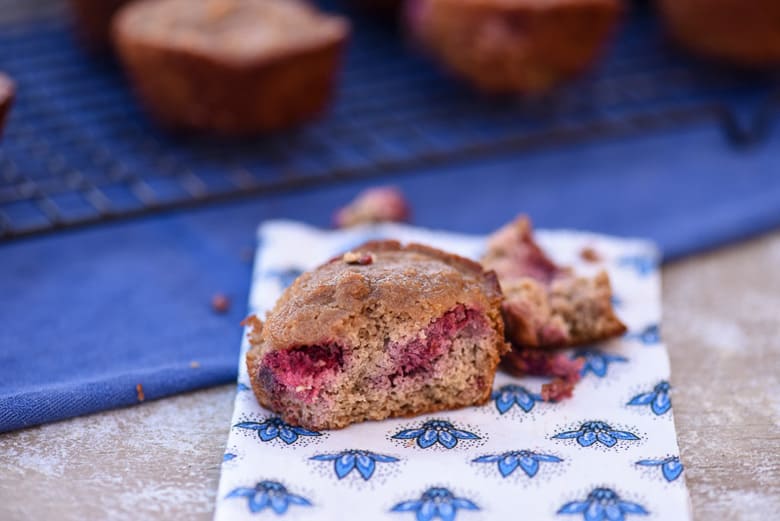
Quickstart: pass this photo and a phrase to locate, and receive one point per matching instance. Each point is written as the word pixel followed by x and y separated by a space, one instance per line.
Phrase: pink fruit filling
pixel 532 262
pixel 306 370
pixel 565 371
pixel 419 355
pixel 303 369
pixel 521 255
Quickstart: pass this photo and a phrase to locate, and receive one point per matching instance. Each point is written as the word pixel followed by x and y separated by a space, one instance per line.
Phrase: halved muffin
pixel 384 331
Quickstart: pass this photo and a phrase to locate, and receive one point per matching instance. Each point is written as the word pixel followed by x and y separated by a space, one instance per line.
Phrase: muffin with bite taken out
pixel 383 331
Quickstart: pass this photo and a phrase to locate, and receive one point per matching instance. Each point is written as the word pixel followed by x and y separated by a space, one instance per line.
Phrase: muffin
pixel 93 21
pixel 509 46
pixel 232 67
pixel 7 92
pixel 384 331
pixel 740 32
pixel 546 305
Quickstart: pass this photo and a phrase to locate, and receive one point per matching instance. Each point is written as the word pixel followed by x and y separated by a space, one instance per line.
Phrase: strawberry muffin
pixel 513 46
pixel 236 67
pixel 383 331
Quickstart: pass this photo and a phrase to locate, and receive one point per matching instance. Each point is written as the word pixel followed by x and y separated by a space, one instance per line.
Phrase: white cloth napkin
pixel 609 453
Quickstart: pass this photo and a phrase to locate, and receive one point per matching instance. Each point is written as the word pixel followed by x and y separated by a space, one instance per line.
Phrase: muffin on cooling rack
pixel 546 305
pixel 7 91
pixel 230 66
pixel 509 46
pixel 93 20
pixel 742 32
pixel 384 331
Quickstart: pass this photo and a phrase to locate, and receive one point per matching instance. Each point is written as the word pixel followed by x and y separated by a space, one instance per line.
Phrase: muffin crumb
pixel 589 254
pixel 359 258
pixel 375 205
pixel 220 303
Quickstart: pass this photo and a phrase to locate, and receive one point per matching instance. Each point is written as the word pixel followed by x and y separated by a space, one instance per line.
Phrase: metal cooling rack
pixel 78 150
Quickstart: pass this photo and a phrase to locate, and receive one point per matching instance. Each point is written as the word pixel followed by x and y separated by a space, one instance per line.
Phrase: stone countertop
pixel 160 460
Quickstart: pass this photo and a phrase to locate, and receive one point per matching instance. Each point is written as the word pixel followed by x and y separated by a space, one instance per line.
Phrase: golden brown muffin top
pixel 414 281
pixel 238 30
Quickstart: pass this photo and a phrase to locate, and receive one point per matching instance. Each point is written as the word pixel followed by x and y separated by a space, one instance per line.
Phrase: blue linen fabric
pixel 87 315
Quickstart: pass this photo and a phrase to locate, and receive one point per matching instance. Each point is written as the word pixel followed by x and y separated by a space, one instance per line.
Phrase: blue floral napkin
pixel 609 453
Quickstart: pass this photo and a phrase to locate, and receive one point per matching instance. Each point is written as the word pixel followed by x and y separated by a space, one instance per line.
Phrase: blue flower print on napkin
pixel 508 395
pixel 527 460
pixel 436 431
pixel 671 467
pixel 603 504
pixel 643 265
pixel 597 431
pixel 285 277
pixel 436 502
pixel 650 335
pixel 269 494
pixel 658 399
pixel 275 427
pixel 346 461
pixel 596 361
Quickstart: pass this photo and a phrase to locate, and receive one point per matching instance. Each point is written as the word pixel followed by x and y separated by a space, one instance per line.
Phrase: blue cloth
pixel 87 315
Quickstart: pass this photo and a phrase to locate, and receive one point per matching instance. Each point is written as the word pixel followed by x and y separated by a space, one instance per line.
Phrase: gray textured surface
pixel 722 324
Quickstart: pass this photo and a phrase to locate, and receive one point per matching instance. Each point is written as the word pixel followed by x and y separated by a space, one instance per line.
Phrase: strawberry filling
pixel 304 369
pixel 419 355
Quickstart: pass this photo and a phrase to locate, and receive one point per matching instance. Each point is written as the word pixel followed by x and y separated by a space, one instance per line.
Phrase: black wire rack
pixel 78 150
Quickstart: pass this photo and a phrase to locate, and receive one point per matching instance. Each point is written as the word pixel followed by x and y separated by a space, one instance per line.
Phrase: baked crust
pixel 236 67
pixel 389 301
pixel 743 33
